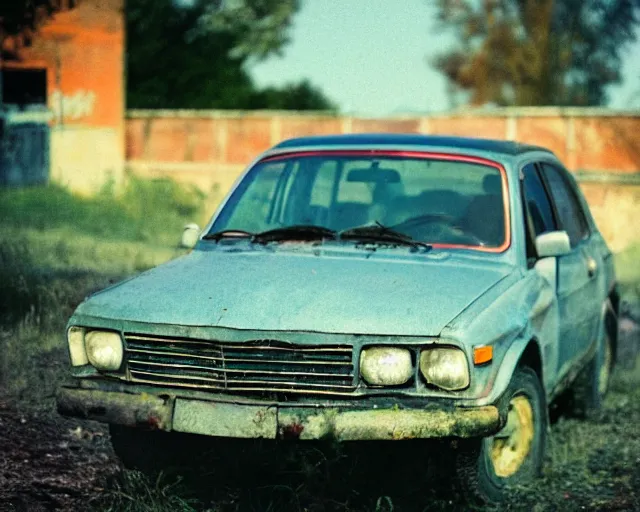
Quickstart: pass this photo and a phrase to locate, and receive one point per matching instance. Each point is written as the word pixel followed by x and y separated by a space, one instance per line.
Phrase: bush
pixel 146 210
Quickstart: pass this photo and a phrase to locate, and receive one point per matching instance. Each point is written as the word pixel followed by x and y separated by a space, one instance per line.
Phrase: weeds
pixel 146 210
pixel 132 491
pixel 24 293
pixel 55 248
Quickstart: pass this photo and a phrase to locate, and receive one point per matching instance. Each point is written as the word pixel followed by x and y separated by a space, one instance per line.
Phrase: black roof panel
pixel 396 139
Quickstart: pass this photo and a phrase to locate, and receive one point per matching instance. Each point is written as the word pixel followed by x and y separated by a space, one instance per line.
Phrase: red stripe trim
pixel 427 156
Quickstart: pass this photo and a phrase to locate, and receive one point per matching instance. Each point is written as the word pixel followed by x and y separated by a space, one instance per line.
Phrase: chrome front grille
pixel 256 366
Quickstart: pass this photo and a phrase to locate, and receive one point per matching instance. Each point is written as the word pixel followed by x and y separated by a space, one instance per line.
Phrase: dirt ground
pixel 51 463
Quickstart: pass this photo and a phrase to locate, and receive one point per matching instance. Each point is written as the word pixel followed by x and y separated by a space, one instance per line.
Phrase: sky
pixel 371 57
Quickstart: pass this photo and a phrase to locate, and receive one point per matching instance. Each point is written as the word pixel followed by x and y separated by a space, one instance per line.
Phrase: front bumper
pixel 253 420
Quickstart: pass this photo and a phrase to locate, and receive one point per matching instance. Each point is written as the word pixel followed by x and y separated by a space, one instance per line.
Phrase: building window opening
pixel 24 88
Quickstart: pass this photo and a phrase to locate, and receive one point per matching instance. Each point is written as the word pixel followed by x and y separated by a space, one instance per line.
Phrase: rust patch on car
pixel 292 431
pixel 119 408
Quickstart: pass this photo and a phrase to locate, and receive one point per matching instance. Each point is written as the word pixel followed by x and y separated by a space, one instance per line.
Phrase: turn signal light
pixel 482 355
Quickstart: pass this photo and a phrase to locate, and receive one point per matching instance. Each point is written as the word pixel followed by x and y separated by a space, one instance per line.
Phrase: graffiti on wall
pixel 74 106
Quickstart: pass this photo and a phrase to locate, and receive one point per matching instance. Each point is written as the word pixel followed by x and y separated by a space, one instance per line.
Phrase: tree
pixel 300 96
pixel 193 54
pixel 536 52
pixel 23 18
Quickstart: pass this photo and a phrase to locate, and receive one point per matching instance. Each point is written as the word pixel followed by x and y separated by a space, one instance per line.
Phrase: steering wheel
pixel 440 225
pixel 429 218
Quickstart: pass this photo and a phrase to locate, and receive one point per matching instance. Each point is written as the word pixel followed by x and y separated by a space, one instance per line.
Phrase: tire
pixel 592 384
pixel 485 468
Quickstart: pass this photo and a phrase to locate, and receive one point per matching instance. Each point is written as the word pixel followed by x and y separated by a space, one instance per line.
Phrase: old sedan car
pixel 365 287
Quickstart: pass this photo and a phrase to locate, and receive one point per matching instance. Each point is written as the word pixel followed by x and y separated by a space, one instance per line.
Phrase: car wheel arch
pixel 523 351
pixel 532 357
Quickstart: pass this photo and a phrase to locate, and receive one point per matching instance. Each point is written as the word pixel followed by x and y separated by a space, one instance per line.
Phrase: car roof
pixel 396 139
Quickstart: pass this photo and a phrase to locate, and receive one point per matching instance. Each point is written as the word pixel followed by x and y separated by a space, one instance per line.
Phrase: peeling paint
pixel 132 410
pixel 270 422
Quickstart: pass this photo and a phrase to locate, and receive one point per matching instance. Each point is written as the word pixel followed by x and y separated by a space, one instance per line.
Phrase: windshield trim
pixel 426 155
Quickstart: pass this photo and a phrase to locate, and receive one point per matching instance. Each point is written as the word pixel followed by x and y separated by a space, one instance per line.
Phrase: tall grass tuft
pixel 24 294
pixel 145 210
pixel 132 491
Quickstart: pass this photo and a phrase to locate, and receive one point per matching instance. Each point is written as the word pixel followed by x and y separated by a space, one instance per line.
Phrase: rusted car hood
pixel 335 292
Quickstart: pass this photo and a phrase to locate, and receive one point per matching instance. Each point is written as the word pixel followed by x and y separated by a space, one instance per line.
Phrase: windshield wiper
pixel 306 233
pixel 380 233
pixel 227 233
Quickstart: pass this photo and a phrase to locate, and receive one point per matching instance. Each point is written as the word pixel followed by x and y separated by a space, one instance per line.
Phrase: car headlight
pixel 445 367
pixel 104 349
pixel 386 366
pixel 77 353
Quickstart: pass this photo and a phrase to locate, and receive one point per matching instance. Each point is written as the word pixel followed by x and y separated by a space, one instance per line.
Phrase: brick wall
pixel 210 148
pixel 585 139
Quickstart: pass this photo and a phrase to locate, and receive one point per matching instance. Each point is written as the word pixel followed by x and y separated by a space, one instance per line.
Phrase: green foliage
pixel 258 27
pixel 17 15
pixel 52 206
pixel 536 52
pixel 147 210
pixel 194 54
pixel 300 96
pixel 35 303
pixel 21 283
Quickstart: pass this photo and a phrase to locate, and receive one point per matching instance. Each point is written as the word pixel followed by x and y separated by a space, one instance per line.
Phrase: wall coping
pixel 507 112
pixel 227 114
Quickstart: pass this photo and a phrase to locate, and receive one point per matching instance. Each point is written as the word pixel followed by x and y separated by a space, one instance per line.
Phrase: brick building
pixel 68 72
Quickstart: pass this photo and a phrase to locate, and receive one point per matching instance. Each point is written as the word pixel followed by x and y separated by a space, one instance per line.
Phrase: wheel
pixel 484 468
pixel 592 384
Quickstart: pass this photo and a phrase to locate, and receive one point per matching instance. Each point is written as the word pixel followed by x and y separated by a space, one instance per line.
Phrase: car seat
pixel 484 217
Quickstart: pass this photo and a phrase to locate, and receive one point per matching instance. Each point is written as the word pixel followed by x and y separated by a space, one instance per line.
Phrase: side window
pixel 535 195
pixel 570 214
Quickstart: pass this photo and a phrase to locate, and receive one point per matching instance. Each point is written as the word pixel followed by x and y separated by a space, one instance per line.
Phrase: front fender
pixel 508 365
pixel 515 314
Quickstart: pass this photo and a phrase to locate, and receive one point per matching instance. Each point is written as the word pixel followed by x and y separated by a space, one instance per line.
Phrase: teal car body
pixel 265 336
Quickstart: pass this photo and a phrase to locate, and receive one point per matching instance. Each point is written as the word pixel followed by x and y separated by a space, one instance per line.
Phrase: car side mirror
pixel 554 243
pixel 190 235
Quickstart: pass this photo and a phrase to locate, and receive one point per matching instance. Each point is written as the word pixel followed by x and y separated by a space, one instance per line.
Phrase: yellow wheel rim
pixel 511 446
pixel 605 369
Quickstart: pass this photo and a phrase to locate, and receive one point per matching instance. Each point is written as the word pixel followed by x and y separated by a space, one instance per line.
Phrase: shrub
pixel 146 210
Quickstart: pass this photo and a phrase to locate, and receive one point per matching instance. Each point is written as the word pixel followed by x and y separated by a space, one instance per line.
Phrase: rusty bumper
pixel 275 422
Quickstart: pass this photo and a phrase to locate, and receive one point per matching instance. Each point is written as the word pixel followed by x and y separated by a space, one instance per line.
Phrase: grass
pixel 152 211
pixel 56 247
pixel 135 492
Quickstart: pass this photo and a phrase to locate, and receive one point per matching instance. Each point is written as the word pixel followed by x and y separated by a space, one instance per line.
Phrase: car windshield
pixel 443 202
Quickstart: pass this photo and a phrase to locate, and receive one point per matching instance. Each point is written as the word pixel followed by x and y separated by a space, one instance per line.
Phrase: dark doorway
pixel 24 87
pixel 24 127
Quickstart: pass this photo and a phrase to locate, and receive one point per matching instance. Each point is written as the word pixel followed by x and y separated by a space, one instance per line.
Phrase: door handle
pixel 592 267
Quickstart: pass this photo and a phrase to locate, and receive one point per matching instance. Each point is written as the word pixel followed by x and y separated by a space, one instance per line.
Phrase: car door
pixel 539 219
pixel 577 288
